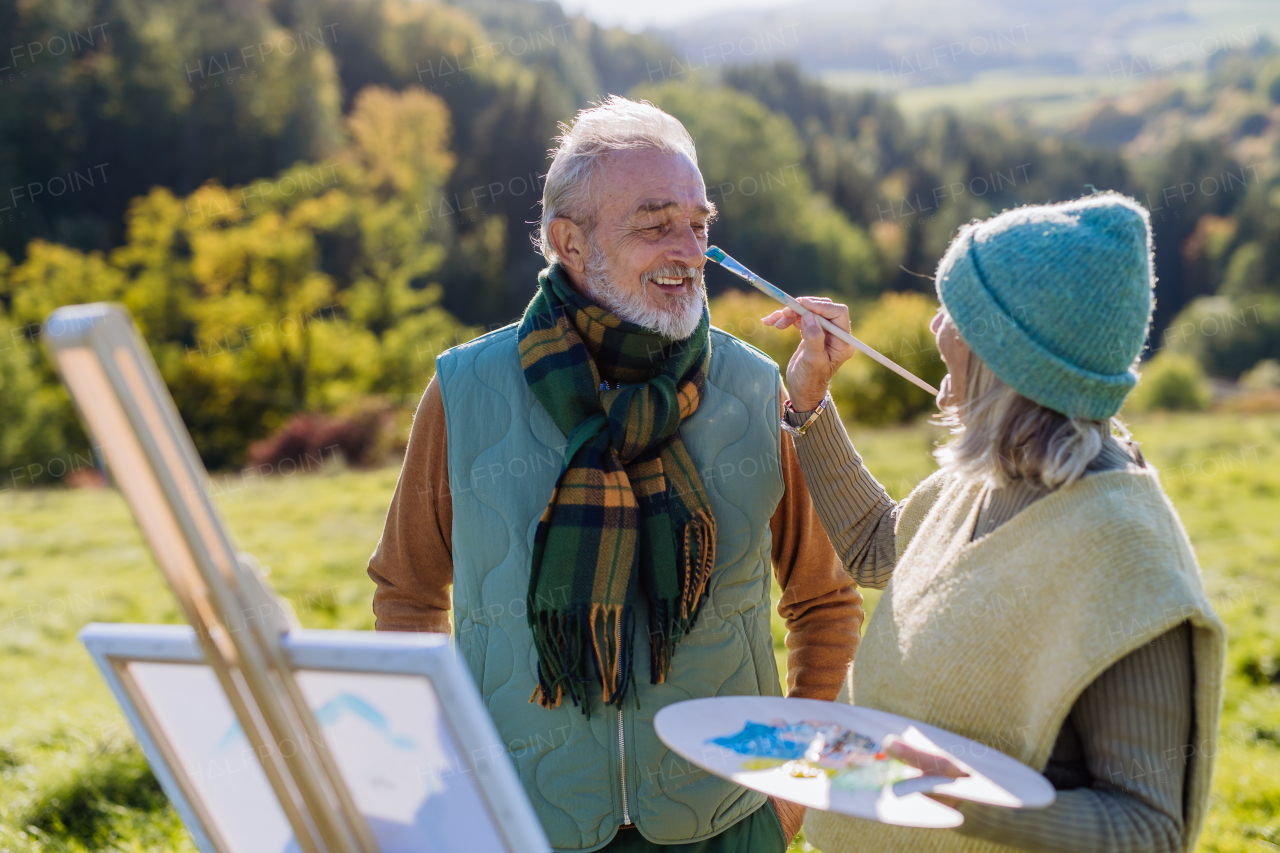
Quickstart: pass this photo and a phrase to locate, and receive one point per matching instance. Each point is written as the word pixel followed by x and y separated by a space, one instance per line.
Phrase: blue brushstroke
pixel 766 741
pixel 332 711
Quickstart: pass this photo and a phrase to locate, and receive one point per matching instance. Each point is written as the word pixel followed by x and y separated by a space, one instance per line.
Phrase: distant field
pixel 1045 100
pixel 69 769
pixel 1113 62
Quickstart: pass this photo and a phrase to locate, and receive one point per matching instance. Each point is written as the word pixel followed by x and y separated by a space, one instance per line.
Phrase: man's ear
pixel 569 242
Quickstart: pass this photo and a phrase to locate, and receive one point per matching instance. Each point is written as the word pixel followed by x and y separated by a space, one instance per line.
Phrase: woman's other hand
pixel 819 355
pixel 931 763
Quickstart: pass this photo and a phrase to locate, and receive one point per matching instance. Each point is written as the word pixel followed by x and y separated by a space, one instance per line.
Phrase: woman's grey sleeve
pixel 1134 722
pixel 857 513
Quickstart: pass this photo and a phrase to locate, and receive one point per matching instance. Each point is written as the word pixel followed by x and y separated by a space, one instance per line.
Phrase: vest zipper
pixel 622 754
pixel 622 747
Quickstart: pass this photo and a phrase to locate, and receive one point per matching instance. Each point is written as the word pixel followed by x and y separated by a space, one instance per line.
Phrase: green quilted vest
pixel 587 777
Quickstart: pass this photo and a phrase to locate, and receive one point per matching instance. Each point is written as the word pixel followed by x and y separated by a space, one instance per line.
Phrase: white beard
pixel 676 320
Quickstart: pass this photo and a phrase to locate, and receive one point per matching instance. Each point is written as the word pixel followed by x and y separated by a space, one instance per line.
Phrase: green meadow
pixel 72 779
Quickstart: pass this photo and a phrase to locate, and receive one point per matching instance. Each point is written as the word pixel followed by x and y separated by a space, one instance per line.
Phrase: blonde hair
pixel 999 436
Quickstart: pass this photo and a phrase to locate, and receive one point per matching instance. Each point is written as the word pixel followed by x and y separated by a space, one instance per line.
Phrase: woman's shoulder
pixel 913 509
pixel 1125 495
pixel 1123 514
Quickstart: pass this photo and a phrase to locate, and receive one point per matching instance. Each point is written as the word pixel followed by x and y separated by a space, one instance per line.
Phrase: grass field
pixel 71 778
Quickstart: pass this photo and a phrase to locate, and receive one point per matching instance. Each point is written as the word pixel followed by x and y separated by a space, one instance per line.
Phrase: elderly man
pixel 605 484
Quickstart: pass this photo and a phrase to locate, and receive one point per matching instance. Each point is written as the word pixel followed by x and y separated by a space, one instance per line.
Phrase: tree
pixel 117 97
pixel 303 292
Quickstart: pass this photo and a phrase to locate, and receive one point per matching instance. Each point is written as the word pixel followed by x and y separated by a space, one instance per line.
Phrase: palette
pixel 829 756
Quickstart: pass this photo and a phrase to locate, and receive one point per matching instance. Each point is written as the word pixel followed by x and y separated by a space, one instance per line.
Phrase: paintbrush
pixel 718 255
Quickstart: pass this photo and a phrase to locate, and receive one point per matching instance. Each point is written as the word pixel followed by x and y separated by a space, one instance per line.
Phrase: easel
pixel 240 624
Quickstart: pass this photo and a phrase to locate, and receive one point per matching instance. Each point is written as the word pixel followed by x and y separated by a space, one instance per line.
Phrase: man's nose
pixel 688 249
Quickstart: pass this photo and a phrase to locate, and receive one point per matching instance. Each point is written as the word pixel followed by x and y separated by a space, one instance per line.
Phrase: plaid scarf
pixel 629 515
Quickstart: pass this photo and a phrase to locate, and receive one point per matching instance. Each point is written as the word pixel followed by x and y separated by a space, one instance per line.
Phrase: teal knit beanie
pixel 1056 299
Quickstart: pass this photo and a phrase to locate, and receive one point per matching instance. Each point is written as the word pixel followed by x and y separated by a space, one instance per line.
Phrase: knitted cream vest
pixel 996 639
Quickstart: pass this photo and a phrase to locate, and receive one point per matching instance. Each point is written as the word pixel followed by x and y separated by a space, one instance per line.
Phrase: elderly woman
pixel 1041 596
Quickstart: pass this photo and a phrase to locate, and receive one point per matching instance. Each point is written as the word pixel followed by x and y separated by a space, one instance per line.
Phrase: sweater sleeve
pixel 413 563
pixel 820 603
pixel 856 512
pixel 1134 722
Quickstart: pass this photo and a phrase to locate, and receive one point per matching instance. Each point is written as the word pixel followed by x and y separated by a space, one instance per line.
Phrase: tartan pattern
pixel 629 515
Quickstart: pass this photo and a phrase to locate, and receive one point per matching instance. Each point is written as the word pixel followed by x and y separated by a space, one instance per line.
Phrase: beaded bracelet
pixel 794 430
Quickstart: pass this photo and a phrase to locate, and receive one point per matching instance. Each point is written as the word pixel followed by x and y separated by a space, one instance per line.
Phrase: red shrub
pixel 362 437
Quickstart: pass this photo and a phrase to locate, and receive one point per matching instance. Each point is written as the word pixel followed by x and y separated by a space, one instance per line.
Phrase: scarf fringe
pixel 561 636
pixel 672 620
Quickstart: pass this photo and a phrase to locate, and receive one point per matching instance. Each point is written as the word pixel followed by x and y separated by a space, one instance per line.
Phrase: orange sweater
pixel 413 563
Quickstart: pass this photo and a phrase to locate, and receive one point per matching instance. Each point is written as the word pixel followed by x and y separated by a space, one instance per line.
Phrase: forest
pixel 303 203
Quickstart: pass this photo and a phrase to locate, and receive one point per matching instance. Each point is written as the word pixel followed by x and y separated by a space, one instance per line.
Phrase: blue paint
pixel 762 740
pixel 330 712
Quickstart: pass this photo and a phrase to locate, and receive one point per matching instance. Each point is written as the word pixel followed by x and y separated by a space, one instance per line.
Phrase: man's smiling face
pixel 643 260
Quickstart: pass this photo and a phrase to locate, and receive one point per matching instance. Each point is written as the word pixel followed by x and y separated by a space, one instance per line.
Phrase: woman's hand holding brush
pixel 798 307
pixel 820 353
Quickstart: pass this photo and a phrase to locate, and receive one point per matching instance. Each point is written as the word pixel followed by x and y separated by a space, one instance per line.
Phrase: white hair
pixel 1000 436
pixel 615 124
